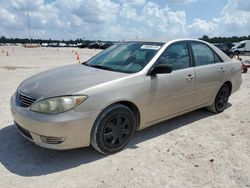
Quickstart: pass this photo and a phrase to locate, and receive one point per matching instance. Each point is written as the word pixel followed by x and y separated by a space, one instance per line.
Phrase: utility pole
pixel 28 17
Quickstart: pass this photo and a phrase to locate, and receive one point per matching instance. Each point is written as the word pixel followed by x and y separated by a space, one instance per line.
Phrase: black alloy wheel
pixel 113 129
pixel 221 100
pixel 222 97
pixel 244 70
pixel 116 131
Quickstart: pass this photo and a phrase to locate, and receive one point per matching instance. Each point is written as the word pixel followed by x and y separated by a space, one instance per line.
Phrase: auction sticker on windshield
pixel 150 47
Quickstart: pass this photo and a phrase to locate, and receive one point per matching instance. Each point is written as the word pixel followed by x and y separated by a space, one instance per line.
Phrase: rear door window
pixel 203 55
pixel 217 59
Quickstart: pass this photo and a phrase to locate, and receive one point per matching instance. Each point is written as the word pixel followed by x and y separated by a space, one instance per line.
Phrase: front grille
pixel 52 140
pixel 23 131
pixel 24 100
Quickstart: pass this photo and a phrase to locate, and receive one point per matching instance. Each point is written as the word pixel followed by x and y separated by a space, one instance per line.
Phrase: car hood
pixel 66 80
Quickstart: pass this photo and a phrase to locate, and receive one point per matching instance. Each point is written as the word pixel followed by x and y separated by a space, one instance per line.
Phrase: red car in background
pixel 245 66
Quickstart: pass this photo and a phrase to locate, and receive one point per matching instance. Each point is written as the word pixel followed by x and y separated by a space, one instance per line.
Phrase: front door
pixel 170 93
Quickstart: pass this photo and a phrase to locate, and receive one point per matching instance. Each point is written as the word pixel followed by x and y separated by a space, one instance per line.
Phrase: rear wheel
pixel 113 129
pixel 244 70
pixel 221 100
pixel 237 53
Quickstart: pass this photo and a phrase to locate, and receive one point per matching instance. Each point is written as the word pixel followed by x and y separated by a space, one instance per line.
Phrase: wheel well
pixel 134 109
pixel 229 84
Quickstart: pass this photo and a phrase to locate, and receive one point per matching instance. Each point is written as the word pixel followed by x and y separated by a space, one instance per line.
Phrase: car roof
pixel 162 40
pixel 169 41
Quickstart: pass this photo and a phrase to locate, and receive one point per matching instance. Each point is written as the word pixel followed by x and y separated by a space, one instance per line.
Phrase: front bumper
pixel 67 130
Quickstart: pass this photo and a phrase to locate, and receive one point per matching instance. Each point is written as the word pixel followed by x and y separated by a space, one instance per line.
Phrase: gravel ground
pixel 198 149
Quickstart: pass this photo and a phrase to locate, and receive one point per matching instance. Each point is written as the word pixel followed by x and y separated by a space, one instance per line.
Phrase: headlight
pixel 58 104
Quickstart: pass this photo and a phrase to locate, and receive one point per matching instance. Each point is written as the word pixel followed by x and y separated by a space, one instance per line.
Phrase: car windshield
pixel 126 57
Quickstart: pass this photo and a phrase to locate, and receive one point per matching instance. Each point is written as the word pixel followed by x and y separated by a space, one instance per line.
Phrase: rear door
pixel 210 72
pixel 171 93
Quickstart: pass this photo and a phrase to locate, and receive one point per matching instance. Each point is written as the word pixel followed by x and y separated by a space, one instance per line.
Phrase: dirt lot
pixel 198 149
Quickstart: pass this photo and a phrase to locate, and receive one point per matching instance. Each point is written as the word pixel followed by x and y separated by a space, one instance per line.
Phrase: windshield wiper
pixel 100 67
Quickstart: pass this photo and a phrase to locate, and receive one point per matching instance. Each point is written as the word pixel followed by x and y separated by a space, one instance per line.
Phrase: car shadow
pixel 24 158
pixel 170 125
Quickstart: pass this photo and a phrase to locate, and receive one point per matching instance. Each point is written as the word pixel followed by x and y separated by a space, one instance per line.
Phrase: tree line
pixel 224 39
pixel 3 39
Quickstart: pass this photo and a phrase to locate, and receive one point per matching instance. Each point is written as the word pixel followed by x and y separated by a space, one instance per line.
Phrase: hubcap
pixel 222 99
pixel 116 131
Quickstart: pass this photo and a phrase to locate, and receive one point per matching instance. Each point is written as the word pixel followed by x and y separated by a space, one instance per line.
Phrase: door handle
pixel 190 77
pixel 222 69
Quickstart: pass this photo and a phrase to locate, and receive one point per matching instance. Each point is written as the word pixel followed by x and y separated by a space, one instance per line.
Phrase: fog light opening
pixel 52 140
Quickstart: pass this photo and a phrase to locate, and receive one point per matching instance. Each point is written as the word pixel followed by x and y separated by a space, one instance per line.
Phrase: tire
pixel 221 100
pixel 237 53
pixel 244 70
pixel 113 129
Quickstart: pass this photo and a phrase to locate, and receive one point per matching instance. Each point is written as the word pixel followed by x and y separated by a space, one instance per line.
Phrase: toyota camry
pixel 125 88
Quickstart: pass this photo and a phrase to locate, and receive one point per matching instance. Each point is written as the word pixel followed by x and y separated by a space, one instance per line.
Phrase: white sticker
pixel 151 47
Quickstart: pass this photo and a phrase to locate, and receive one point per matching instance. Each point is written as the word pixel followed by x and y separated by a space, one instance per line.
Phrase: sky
pixel 124 19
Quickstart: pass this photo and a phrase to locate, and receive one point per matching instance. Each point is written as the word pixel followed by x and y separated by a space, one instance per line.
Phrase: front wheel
pixel 113 129
pixel 221 100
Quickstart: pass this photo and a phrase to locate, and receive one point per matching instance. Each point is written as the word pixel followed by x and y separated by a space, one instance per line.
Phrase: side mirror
pixel 160 69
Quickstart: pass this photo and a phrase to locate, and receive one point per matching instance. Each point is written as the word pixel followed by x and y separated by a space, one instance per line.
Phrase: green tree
pixel 205 38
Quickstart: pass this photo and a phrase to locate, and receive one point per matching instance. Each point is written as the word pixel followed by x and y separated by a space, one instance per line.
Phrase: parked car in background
pixel 94 45
pixel 242 47
pixel 106 45
pixel 127 87
pixel 84 44
pixel 226 48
